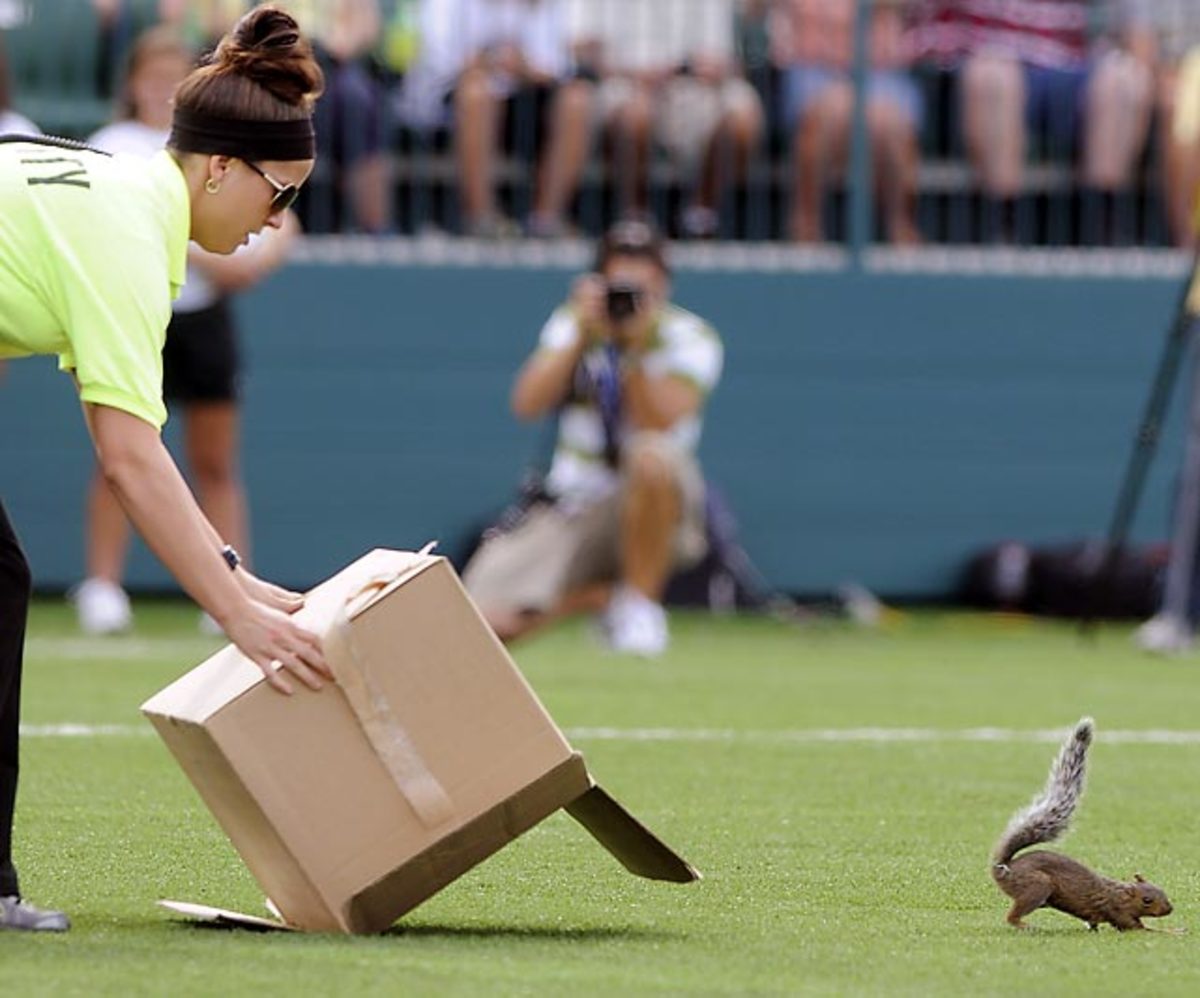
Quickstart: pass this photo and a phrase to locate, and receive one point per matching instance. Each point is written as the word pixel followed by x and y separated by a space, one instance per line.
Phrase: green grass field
pixel 831 783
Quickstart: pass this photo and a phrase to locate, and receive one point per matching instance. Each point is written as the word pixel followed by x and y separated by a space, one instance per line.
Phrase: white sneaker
pixel 1163 634
pixel 635 625
pixel 102 607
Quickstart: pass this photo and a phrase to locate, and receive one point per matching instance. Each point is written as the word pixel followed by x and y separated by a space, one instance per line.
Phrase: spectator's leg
pixel 650 516
pixel 728 153
pixel 1179 104
pixel 820 144
pixel 106 531
pixel 1119 97
pixel 565 156
pixel 476 131
pixel 893 111
pixel 14 609
pixel 994 93
pixel 1173 156
pixel 101 605
pixel 631 130
pixel 367 181
pixel 1118 104
pixel 211 435
pixel 994 122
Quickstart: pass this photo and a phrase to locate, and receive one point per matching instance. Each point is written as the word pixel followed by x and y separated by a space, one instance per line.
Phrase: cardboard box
pixel 353 804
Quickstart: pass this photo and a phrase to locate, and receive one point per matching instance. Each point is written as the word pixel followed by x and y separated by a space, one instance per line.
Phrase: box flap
pixel 638 849
pixel 219 916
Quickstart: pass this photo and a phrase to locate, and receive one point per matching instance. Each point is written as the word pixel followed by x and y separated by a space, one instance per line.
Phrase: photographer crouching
pixel 622 508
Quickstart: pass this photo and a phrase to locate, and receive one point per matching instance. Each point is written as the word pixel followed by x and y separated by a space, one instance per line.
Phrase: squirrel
pixel 1045 879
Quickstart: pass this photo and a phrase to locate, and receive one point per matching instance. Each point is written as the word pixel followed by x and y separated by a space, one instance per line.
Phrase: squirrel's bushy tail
pixel 1048 816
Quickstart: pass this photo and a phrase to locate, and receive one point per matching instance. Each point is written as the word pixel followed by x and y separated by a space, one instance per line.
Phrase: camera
pixel 622 300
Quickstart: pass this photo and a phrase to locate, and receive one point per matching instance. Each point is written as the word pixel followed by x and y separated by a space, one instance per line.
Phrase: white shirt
pixel 683 345
pixel 452 32
pixel 638 35
pixel 132 138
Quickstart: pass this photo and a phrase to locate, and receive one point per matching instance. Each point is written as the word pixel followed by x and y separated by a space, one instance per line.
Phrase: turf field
pixel 836 787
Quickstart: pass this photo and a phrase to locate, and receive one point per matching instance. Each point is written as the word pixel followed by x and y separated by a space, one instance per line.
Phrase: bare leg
pixel 1181 166
pixel 510 625
pixel 1173 156
pixel 107 533
pixel 476 124
pixel 370 193
pixel 211 442
pixel 819 144
pixel 631 130
pixel 894 143
pixel 728 154
pixel 650 515
pixel 1118 120
pixel 994 122
pixel 566 152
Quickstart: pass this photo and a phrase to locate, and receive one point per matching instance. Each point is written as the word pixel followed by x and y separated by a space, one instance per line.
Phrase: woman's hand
pixel 269 593
pixel 274 642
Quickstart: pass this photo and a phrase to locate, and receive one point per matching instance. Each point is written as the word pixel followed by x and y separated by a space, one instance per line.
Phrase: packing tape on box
pixel 427 797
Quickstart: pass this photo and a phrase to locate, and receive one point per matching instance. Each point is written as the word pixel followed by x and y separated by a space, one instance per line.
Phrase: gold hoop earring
pixel 211 185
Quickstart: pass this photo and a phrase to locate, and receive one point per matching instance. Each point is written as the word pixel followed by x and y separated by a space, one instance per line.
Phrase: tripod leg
pixel 1186 527
pixel 1145 443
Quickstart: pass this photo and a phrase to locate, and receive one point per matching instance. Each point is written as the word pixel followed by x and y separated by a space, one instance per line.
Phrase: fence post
pixel 859 207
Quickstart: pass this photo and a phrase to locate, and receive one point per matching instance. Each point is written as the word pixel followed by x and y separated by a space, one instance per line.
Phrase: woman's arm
pixel 154 495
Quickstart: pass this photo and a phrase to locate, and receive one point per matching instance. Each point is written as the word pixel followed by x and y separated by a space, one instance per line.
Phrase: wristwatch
pixel 232 558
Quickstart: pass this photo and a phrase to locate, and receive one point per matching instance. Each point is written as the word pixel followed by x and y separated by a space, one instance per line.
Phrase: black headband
pixel 274 141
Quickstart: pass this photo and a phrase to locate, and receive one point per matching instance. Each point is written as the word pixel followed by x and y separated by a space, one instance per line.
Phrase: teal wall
pixel 878 427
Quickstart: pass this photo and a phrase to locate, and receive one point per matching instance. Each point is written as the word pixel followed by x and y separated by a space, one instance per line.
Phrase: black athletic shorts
pixel 200 358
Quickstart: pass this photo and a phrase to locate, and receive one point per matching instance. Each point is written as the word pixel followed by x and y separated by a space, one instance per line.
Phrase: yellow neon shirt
pixel 93 249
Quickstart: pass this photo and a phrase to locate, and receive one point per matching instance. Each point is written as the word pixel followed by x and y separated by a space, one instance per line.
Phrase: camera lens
pixel 622 300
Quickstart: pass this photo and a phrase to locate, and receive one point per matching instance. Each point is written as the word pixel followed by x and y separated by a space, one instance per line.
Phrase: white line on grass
pixel 84 731
pixel 1151 736
pixel 803 736
pixel 80 649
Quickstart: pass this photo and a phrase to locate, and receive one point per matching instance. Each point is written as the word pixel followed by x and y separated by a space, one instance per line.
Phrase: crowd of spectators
pixel 734 118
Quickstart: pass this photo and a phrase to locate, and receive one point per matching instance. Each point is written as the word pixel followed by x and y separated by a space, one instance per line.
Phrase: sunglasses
pixel 285 194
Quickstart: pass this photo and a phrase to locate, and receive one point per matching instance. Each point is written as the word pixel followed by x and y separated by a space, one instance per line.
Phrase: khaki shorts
pixel 555 551
pixel 687 113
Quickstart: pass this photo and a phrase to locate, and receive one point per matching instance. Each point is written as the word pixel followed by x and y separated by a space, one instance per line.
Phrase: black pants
pixel 15 586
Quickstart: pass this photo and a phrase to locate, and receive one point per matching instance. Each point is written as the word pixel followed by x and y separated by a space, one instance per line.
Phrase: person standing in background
pixel 201 361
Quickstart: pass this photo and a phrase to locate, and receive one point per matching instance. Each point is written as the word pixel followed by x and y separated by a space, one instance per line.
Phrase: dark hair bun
pixel 267 47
